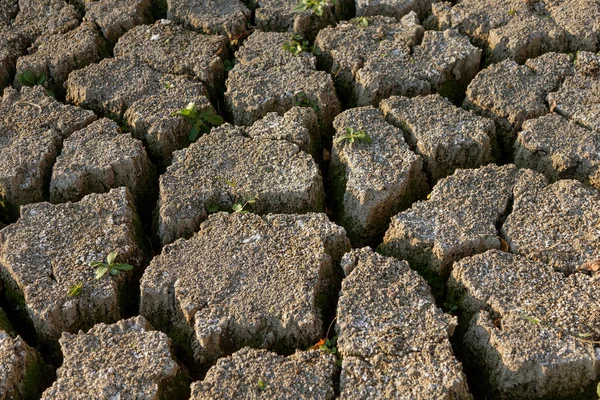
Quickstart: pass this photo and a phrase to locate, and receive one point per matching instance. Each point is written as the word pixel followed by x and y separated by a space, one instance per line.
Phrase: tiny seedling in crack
pixel 302 100
pixel 326 344
pixel 28 78
pixel 229 64
pixel 262 385
pixel 242 203
pixel 201 120
pixel 110 266
pixel 362 21
pixel 75 290
pixel 241 200
pixel 352 135
pixel 297 44
pixel 317 6
pixel 330 345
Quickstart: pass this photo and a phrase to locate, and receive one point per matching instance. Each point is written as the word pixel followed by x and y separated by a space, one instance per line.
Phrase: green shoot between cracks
pixel 352 135
pixel 297 44
pixel 201 120
pixel 316 6
pixel 75 290
pixel 362 21
pixel 110 266
pixel 241 200
pixel 28 78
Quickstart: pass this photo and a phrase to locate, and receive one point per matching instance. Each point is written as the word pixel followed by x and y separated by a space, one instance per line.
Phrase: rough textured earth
pixel 522 29
pixel 223 169
pixel 459 219
pixel 112 86
pixel 171 49
pixel 527 323
pixel 225 17
pixel 577 98
pixel 280 16
pixel 151 119
pixel 556 224
pixel 245 280
pixel 22 369
pixel 541 146
pixel 63 53
pixel 12 45
pixel 393 8
pixel 446 136
pixel 270 79
pixel 128 359
pixel 510 93
pixel 232 151
pixel 372 181
pixel 32 127
pixel 48 251
pixel 251 373
pixel 37 20
pixel 98 158
pixel 299 125
pixel 115 17
pixel 391 335
pixel 387 57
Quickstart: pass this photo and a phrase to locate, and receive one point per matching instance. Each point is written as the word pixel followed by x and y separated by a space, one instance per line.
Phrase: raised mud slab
pixel 225 168
pixel 128 359
pixel 372 181
pixel 245 280
pixel 392 337
pixel 48 251
pixel 529 328
pixel 250 372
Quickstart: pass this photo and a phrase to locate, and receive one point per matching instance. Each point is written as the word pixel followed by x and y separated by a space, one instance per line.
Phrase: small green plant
pixel 326 344
pixel 262 385
pixel 362 21
pixel 512 12
pixel 296 45
pixel 110 266
pixel 316 6
pixel 240 206
pixel 229 64
pixel 201 120
pixel 28 78
pixel 75 290
pixel 301 99
pixel 330 345
pixel 241 200
pixel 450 307
pixel 352 135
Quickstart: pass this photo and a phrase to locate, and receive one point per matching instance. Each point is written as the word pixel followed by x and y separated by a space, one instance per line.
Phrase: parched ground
pixel 234 199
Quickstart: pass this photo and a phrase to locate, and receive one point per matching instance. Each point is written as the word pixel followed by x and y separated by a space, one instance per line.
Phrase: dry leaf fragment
pixel 318 345
pixel 592 266
pixel 503 245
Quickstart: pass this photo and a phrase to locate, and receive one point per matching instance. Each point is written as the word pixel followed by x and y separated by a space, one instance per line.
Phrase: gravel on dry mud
pixel 299 199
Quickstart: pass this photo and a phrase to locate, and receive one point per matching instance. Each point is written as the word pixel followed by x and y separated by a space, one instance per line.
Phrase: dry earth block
pixel 245 280
pixel 391 335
